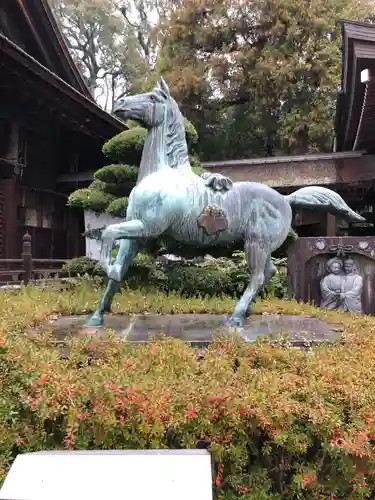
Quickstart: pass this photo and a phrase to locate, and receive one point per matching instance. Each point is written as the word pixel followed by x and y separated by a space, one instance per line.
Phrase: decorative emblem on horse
pixel 213 220
pixel 169 199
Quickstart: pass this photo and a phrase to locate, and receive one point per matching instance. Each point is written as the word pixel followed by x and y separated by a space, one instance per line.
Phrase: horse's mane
pixel 175 144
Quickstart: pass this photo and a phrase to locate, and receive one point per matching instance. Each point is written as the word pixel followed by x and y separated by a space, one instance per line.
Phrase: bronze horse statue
pixel 204 211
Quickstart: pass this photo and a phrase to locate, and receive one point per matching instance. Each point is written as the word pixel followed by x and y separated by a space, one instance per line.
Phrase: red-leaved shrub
pixel 284 424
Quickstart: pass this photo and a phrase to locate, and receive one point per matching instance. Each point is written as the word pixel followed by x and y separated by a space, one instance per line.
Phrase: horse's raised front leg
pixel 256 258
pixel 130 229
pixel 116 273
pixel 130 233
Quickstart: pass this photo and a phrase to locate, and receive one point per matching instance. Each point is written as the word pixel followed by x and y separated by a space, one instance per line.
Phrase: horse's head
pixel 148 109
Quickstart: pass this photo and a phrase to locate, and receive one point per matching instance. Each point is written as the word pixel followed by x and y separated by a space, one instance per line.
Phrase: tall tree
pixel 273 64
pixel 111 41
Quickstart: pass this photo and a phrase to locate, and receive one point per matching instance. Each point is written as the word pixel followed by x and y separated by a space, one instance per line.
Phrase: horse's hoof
pixel 236 322
pixel 94 321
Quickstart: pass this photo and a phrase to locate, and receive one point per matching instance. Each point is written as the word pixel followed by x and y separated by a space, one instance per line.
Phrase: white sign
pixel 110 475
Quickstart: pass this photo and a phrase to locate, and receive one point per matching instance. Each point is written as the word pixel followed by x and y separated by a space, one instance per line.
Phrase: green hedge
pixel 90 199
pixel 126 146
pixel 99 202
pixel 83 266
pixel 223 277
pixel 98 185
pixel 118 207
pixel 117 174
pixel 281 424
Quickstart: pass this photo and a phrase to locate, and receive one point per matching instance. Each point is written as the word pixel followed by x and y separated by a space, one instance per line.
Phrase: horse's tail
pixel 320 198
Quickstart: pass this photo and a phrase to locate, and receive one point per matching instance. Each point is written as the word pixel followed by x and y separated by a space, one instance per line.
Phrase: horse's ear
pixel 163 86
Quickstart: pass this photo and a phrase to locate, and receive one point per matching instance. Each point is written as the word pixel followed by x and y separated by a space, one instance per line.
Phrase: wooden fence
pixel 26 269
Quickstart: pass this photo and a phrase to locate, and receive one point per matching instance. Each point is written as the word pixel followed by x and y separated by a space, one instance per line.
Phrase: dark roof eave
pixel 11 49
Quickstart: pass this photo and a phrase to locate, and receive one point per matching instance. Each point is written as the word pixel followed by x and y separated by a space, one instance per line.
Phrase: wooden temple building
pixel 50 126
pixel 350 169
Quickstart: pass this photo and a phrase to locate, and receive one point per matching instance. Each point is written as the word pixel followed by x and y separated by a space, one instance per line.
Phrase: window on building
pixel 31 217
pixel 47 213
pixel 37 210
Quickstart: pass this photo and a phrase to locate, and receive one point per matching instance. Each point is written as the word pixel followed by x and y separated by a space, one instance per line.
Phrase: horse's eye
pixel 152 98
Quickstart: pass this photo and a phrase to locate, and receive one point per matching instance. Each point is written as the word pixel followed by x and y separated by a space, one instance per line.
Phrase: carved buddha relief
pixel 342 287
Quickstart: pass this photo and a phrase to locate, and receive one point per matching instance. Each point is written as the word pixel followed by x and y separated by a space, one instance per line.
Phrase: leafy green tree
pixel 111 41
pixel 273 67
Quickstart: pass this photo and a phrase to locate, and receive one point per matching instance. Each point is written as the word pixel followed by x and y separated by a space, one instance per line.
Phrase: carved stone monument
pixel 342 287
pixel 334 272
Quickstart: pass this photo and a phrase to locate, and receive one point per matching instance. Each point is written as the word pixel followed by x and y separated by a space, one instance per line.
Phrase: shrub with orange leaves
pixel 285 424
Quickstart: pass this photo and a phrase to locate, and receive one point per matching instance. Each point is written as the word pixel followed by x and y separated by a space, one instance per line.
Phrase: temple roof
pixel 33 49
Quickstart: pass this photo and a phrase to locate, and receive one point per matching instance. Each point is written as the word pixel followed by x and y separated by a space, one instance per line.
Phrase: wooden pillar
pixel 13 147
pixel 10 199
pixel 12 246
pixel 330 225
pixel 73 234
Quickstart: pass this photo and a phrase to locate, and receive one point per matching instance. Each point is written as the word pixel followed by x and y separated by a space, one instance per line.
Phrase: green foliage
pixel 90 199
pixel 118 207
pixel 117 180
pixel 106 192
pixel 132 124
pixel 97 185
pixel 191 133
pixel 209 281
pixel 196 164
pixel 126 146
pixel 212 278
pixel 82 266
pixel 111 189
pixel 292 235
pixel 278 286
pixel 286 424
pixel 117 174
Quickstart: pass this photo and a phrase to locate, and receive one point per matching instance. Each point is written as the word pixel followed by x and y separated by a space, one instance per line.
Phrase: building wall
pixel 30 198
pixel 293 172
